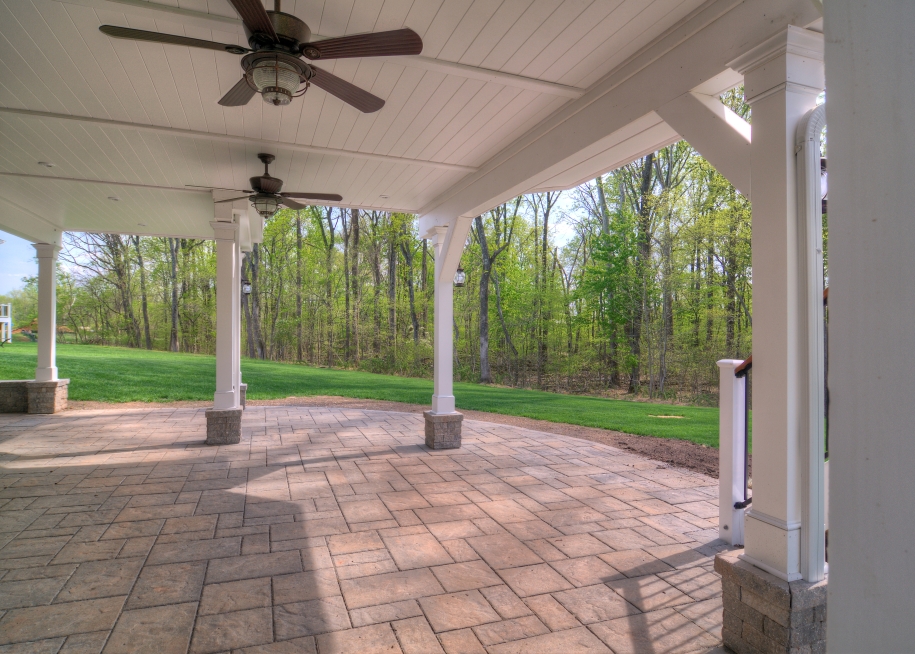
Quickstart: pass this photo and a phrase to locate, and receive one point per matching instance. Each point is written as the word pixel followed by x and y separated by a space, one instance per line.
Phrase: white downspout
pixel 810 307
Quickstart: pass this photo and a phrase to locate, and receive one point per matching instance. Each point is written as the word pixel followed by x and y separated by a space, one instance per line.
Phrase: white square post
pixel 47 394
pixel 226 396
pixel 782 79
pixel 47 311
pixel 224 419
pixel 443 423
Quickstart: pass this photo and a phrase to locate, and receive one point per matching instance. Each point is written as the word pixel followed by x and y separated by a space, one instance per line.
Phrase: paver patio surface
pixel 337 530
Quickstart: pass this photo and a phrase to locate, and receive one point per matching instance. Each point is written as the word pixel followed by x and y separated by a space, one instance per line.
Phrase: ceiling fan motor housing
pixel 290 31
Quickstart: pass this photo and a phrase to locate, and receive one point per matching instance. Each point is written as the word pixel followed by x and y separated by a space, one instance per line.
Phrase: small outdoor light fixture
pixel 46 164
pixel 114 198
pixel 266 205
pixel 460 277
pixel 246 287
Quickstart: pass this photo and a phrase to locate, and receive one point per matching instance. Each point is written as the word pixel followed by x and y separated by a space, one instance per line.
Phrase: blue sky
pixel 17 260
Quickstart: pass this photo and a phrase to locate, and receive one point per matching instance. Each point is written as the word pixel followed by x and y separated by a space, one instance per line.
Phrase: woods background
pixel 636 282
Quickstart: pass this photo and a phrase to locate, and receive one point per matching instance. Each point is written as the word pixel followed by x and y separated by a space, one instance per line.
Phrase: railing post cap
pixel 729 363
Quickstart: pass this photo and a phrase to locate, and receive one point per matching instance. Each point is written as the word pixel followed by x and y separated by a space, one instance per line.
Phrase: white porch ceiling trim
pixel 230 138
pixel 105 182
pixel 233 25
pixel 710 38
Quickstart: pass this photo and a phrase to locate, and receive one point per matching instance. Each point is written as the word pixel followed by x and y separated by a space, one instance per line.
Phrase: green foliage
pixel 112 374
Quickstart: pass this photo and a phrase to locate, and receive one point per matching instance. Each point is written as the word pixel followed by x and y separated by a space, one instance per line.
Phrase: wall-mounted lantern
pixel 246 287
pixel 460 277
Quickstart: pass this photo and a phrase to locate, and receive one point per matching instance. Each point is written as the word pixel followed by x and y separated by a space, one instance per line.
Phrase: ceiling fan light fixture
pixel 276 80
pixel 266 205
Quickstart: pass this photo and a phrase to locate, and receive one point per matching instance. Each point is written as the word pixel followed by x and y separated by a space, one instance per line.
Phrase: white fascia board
pixel 719 134
pixel 695 51
pixel 648 134
pixel 26 224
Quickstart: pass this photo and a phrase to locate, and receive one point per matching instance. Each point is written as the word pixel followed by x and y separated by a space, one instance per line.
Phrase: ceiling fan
pixel 266 196
pixel 272 64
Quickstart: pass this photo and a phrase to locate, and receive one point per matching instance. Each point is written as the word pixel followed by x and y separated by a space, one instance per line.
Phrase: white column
pixel 236 309
pixel 731 451
pixel 870 70
pixel 782 79
pixel 443 320
pixel 226 396
pixel 47 311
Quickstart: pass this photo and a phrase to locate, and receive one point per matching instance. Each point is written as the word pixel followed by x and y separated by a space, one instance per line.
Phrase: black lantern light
pixel 460 277
pixel 246 287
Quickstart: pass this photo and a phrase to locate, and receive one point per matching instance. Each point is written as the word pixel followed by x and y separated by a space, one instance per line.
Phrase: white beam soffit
pixel 719 134
pixel 142 8
pixel 695 51
pixel 230 138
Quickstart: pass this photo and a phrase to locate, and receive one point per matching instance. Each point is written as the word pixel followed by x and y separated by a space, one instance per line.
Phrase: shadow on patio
pixel 337 530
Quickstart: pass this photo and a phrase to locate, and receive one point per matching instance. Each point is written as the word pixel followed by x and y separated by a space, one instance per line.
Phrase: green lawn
pixel 111 374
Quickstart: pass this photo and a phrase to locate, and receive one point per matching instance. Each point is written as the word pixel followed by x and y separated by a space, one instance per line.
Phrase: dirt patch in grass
pixel 672 451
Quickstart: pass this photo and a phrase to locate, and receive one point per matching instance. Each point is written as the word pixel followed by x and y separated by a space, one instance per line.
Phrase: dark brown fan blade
pixel 292 205
pixel 330 197
pixel 254 16
pixel 219 188
pixel 158 37
pixel 349 93
pixel 244 197
pixel 239 95
pixel 379 44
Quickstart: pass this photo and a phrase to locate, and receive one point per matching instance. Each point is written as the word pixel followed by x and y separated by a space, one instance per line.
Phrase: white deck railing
pixel 732 477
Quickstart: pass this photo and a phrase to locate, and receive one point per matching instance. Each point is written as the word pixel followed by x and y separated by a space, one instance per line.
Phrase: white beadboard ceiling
pixel 139 121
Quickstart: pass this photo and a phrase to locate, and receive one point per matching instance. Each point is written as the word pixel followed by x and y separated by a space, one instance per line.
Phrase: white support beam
pixel 719 134
pixel 708 40
pixel 26 224
pixel 442 324
pixel 226 236
pixel 782 78
pixel 231 138
pixel 46 369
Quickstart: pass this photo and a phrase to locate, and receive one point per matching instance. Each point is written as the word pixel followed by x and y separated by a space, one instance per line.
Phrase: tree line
pixel 633 283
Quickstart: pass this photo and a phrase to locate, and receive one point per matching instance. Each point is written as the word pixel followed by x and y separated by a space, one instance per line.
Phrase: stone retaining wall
pixel 14 396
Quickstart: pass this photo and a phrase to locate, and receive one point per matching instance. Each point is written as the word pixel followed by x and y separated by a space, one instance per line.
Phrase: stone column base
pixel 443 430
pixel 223 426
pixel 47 396
pixel 14 396
pixel 764 614
pixel 242 394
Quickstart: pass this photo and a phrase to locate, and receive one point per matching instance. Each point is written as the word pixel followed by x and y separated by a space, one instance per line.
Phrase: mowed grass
pixel 112 374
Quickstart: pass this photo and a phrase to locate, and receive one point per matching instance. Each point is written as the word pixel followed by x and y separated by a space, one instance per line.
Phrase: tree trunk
pixel 642 265
pixel 485 371
pixel 392 290
pixel 298 286
pixel 354 281
pixel 173 260
pixel 143 298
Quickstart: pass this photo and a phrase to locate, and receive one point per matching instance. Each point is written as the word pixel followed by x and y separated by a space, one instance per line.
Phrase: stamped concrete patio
pixel 338 531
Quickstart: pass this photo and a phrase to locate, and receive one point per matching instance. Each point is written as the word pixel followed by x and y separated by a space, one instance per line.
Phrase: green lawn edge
pixel 115 374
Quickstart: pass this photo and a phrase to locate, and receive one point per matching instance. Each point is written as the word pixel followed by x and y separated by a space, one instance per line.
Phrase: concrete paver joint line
pixel 337 530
